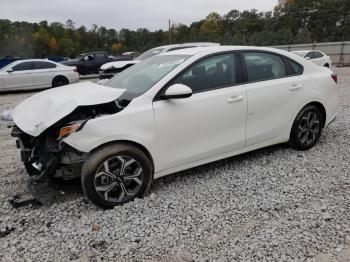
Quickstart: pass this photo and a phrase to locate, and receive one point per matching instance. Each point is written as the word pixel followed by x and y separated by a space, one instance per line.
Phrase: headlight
pixel 71 128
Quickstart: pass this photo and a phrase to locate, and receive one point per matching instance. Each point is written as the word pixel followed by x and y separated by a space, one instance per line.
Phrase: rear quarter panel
pixel 322 88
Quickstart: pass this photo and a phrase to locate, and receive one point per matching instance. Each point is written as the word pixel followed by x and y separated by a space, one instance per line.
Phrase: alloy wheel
pixel 118 179
pixel 309 128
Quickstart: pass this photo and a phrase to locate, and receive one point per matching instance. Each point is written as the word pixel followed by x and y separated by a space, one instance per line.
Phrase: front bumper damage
pixel 45 160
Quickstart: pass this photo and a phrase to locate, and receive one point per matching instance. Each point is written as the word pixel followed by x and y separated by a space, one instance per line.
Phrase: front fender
pixel 135 124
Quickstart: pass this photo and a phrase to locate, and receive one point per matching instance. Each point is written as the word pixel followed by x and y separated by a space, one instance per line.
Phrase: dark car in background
pixel 90 63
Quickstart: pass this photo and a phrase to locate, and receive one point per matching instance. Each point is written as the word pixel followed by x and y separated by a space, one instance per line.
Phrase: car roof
pixel 188 44
pixel 196 50
pixel 306 51
pixel 34 60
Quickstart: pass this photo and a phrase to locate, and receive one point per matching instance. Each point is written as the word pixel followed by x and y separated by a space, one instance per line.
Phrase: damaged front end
pixel 47 156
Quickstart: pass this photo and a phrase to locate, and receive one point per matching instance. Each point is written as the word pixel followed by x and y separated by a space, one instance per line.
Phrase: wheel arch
pixel 320 106
pixel 132 143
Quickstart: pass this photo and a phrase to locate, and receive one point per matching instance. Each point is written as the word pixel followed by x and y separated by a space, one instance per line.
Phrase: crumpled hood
pixel 38 112
pixel 119 64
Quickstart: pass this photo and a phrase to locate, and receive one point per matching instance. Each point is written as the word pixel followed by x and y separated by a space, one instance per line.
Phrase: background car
pixel 172 112
pixel 90 63
pixel 108 70
pixel 316 57
pixel 36 73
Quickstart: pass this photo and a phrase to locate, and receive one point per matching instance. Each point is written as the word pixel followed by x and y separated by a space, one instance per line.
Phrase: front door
pixel 209 123
pixel 20 77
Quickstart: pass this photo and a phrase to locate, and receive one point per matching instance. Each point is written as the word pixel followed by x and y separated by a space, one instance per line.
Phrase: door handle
pixel 295 87
pixel 235 99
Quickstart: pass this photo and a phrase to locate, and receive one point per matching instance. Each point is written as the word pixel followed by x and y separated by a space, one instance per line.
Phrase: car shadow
pixel 200 172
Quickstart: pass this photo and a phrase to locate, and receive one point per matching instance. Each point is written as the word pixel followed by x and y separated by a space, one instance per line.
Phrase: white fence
pixel 338 51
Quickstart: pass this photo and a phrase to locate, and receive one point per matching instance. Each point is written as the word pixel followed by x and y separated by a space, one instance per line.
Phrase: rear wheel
pixel 116 174
pixel 307 128
pixel 59 81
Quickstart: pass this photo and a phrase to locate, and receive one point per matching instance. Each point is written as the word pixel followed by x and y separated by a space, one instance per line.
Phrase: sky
pixel 118 14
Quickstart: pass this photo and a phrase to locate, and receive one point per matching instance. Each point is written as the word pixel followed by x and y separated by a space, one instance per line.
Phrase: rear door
pixel 20 78
pixel 43 73
pixel 274 90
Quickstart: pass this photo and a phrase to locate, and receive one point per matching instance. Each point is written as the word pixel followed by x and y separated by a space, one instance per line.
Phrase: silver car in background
pixel 317 57
pixel 36 74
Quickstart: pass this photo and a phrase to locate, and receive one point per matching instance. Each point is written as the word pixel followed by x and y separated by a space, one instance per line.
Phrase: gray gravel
pixel 274 204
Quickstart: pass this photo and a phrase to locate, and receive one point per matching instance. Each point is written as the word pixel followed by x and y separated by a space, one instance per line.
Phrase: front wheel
pixel 307 128
pixel 116 174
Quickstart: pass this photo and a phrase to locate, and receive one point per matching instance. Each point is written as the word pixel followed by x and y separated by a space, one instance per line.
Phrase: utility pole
pixel 244 31
pixel 169 32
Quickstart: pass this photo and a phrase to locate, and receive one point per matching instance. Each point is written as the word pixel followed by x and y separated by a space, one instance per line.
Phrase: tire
pixel 103 182
pixel 59 81
pixel 307 128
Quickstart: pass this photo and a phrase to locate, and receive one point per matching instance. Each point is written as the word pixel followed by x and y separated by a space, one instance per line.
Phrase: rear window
pixel 100 56
pixel 43 65
pixel 264 66
pixel 297 69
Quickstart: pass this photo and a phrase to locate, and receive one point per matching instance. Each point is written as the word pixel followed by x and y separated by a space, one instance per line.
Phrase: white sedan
pixel 36 73
pixel 172 112
pixel 316 57
pixel 110 69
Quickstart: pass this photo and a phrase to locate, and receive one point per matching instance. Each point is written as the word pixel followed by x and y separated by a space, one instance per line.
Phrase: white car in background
pixel 171 112
pixel 317 57
pixel 36 74
pixel 108 70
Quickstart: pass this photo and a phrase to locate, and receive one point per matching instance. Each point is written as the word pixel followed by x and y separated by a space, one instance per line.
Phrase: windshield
pixel 300 53
pixel 79 56
pixel 141 77
pixel 150 53
pixel 8 66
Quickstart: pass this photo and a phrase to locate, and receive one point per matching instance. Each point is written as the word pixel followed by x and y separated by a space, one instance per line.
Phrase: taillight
pixel 75 69
pixel 335 77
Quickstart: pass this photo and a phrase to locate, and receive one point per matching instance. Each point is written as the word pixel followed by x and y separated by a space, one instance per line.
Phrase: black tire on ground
pixel 108 154
pixel 59 81
pixel 307 125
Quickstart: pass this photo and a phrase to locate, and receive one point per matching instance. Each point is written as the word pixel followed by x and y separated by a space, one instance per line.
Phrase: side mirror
pixel 10 70
pixel 307 58
pixel 177 91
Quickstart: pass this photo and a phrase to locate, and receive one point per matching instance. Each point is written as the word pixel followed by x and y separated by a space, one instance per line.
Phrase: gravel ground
pixel 274 204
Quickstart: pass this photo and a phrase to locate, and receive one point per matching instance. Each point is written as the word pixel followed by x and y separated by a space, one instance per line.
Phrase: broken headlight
pixel 71 128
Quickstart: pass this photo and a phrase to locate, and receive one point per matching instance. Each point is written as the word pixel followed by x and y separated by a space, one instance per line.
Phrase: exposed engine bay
pixel 47 156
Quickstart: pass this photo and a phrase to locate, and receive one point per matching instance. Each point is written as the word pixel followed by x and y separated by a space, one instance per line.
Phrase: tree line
pixel 297 21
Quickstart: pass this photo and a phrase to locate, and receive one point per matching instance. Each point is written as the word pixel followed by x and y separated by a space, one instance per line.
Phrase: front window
pixel 212 73
pixel 143 76
pixel 150 53
pixel 23 66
